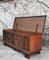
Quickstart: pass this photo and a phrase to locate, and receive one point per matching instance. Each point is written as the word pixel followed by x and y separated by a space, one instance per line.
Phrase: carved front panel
pixel 9 38
pixel 18 41
pixel 22 42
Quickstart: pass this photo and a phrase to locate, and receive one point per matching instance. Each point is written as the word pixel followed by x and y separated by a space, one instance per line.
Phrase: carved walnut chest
pixel 26 35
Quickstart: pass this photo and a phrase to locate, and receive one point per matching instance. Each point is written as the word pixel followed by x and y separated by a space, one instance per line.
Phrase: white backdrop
pixel 8 11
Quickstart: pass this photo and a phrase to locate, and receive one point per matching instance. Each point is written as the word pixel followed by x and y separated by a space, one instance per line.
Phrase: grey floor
pixel 6 53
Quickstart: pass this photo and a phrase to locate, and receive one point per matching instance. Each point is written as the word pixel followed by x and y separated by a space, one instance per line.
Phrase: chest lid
pixel 30 23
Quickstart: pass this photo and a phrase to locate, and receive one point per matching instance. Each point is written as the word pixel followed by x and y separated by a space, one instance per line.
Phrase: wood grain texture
pixel 30 23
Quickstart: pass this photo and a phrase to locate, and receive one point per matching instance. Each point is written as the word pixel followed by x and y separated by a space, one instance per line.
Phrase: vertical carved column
pixel 4 35
pixel 26 43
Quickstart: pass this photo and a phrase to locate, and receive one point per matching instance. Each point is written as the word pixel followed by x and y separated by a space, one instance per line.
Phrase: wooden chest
pixel 26 35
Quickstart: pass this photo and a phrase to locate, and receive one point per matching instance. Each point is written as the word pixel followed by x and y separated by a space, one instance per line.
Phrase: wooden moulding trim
pixel 31 16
